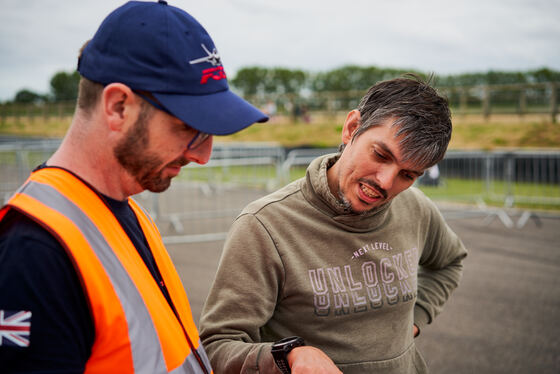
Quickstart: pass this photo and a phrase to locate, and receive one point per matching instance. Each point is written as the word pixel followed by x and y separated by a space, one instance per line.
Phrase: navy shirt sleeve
pixel 38 276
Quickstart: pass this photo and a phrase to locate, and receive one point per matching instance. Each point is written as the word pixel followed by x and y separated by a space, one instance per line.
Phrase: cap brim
pixel 220 113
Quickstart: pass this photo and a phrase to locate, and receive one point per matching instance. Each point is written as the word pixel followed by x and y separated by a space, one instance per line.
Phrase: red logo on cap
pixel 216 73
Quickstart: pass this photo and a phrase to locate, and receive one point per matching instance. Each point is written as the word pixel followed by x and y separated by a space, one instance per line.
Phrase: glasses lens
pixel 198 139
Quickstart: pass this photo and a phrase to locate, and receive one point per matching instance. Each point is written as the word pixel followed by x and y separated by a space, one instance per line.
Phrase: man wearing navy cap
pixel 86 284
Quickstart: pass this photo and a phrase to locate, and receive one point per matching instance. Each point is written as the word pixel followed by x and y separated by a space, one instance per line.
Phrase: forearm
pixel 434 289
pixel 230 329
pixel 242 301
pixel 229 356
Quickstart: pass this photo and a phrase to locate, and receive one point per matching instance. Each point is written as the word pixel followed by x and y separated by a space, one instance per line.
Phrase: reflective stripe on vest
pixel 136 329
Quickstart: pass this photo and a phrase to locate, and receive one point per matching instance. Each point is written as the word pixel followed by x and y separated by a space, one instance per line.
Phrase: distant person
pixel 305 114
pixel 86 284
pixel 340 270
pixel 270 109
pixel 296 112
pixel 430 177
pixel 300 112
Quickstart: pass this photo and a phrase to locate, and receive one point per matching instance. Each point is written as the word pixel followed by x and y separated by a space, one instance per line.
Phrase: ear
pixel 350 125
pixel 119 103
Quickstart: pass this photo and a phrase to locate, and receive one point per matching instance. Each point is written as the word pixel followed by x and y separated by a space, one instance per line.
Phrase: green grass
pixel 259 176
pixel 496 193
pixel 469 131
pixel 470 191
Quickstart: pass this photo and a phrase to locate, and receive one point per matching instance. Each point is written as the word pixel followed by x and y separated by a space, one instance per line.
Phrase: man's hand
pixel 311 360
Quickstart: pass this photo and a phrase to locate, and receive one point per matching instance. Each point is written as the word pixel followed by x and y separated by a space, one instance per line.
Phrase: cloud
pixel 40 37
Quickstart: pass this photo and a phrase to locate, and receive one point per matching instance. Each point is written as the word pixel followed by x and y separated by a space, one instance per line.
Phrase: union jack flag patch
pixel 15 328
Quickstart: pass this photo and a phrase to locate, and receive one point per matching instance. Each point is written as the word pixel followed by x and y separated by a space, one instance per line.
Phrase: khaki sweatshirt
pixel 295 263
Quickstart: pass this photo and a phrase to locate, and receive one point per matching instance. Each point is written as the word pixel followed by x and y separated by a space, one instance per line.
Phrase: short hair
pixel 89 92
pixel 421 116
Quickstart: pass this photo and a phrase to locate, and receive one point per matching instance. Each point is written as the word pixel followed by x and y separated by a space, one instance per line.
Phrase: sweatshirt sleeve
pixel 242 299
pixel 440 268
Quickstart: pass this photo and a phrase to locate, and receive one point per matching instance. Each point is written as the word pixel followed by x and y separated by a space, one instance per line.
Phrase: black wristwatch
pixel 280 350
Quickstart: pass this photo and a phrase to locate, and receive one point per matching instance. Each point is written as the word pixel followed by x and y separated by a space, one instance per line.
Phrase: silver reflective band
pixel 191 365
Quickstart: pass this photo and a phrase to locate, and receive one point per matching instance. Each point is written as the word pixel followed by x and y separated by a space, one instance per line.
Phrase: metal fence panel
pixel 212 195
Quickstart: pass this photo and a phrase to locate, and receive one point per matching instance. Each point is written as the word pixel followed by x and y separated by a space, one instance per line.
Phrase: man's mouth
pixel 175 167
pixel 371 194
pixel 178 163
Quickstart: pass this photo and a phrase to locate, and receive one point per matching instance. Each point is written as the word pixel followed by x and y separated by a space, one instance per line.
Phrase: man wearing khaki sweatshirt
pixel 340 270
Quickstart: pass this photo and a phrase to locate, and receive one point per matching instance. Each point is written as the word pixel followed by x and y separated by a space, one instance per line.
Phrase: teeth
pixel 369 192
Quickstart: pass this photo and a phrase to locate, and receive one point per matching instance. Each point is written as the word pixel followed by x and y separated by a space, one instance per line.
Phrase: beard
pixel 146 167
pixel 345 203
pixel 348 208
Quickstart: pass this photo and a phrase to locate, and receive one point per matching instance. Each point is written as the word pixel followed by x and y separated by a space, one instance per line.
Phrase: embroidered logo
pixel 215 73
pixel 212 57
pixel 15 327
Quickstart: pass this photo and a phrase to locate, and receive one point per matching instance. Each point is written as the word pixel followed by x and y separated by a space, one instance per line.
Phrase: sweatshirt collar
pixel 316 190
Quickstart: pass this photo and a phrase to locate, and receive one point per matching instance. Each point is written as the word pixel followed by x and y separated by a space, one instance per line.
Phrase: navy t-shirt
pixel 37 275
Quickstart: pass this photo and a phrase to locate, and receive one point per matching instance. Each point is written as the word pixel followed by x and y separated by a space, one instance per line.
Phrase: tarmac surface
pixel 503 318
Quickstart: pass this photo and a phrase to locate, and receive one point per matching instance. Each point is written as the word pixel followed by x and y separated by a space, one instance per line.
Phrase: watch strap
pixel 280 350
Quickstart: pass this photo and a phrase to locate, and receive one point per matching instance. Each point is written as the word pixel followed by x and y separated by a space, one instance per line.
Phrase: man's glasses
pixel 198 139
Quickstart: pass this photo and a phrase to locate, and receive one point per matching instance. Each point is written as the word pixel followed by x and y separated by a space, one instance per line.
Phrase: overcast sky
pixel 41 37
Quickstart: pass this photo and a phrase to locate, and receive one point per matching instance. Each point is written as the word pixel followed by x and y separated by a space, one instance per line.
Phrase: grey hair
pixel 421 116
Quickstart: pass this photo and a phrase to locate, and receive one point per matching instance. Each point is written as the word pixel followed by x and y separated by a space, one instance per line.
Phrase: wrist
pixel 294 353
pixel 282 348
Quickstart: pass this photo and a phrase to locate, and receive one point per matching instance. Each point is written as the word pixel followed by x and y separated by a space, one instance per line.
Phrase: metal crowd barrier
pixel 204 199
pixel 508 185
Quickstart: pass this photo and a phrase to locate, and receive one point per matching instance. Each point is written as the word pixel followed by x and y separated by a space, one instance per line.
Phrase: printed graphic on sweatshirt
pixel 386 279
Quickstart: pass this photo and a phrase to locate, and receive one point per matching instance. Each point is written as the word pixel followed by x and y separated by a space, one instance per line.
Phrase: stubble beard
pixel 346 204
pixel 348 208
pixel 146 168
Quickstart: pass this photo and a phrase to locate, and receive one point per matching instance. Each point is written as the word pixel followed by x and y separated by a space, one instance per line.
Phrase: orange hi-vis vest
pixel 136 329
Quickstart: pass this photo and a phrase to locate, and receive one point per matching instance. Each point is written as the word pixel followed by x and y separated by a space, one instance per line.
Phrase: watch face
pixel 280 350
pixel 287 344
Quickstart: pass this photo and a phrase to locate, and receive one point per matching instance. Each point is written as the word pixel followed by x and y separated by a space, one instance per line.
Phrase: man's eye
pixel 409 175
pixel 380 156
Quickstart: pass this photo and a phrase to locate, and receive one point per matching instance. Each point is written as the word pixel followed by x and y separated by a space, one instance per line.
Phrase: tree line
pixel 257 81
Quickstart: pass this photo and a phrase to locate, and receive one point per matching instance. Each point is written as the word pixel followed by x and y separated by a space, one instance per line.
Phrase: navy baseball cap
pixel 161 49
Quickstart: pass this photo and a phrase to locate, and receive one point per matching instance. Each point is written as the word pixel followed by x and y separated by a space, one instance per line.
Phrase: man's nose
pixel 202 153
pixel 386 176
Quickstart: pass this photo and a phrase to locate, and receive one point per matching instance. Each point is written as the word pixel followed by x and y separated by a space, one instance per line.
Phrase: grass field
pixel 469 191
pixel 470 131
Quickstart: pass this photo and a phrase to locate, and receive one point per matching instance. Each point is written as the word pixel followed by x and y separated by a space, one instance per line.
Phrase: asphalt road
pixel 504 317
